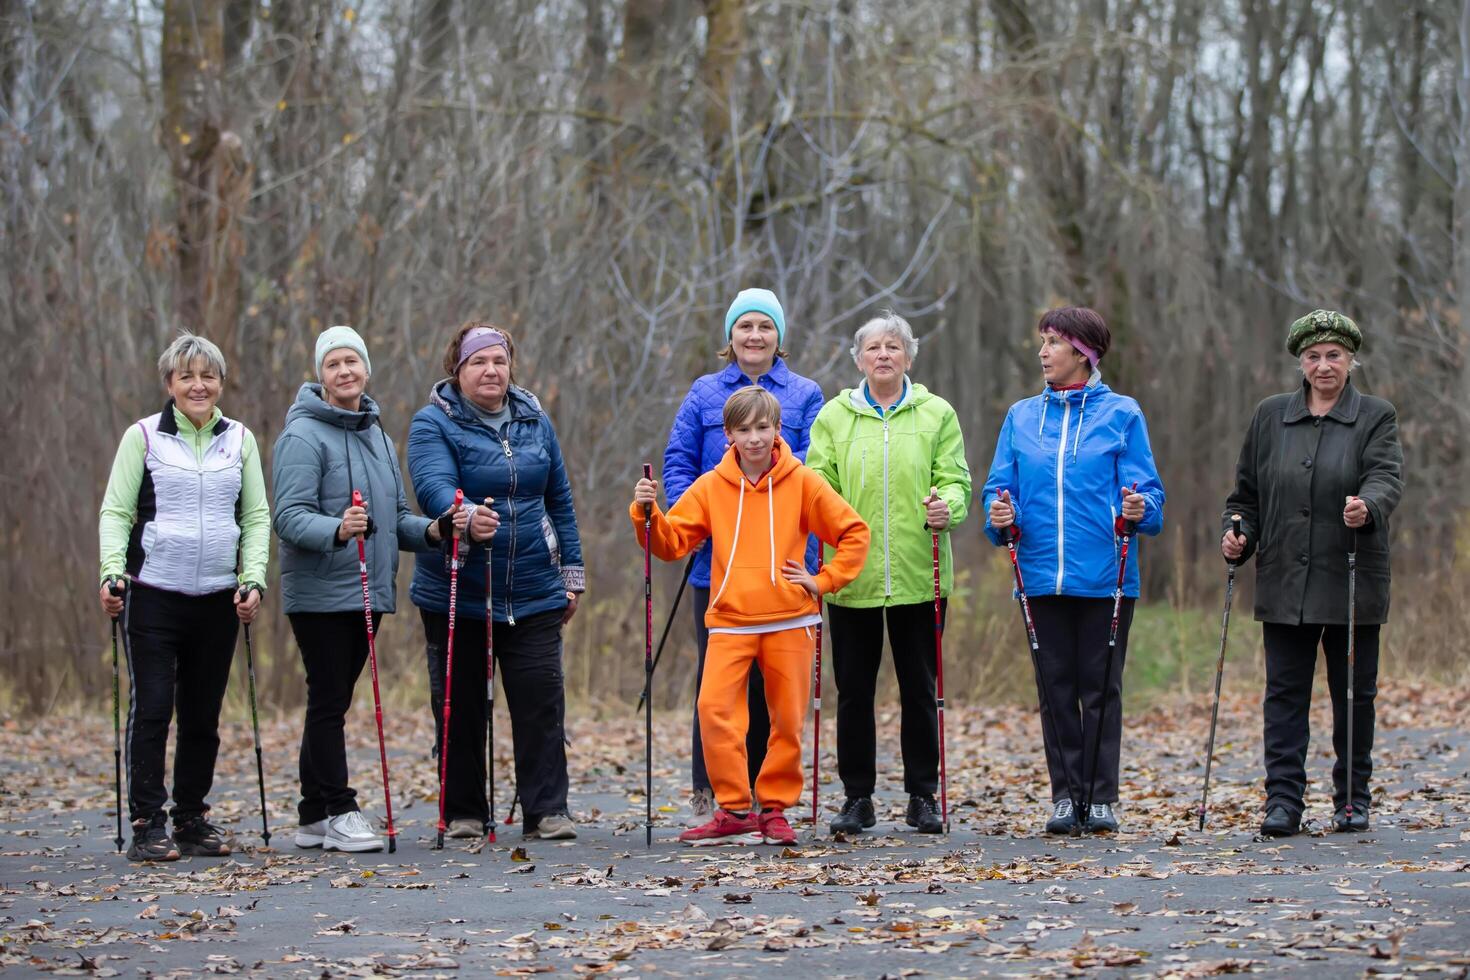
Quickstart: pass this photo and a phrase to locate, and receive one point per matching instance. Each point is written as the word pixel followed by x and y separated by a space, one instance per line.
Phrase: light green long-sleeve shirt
pixel 120 501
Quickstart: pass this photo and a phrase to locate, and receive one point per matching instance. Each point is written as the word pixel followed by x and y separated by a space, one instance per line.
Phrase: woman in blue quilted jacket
pixel 754 354
pixel 1068 463
pixel 484 434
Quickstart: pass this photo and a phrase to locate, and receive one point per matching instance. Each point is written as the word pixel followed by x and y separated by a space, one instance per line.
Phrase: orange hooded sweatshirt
pixel 756 526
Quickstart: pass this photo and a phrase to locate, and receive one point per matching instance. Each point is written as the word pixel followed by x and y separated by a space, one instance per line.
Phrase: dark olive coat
pixel 1293 479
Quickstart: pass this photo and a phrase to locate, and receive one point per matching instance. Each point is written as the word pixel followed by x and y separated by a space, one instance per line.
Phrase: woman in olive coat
pixel 1319 476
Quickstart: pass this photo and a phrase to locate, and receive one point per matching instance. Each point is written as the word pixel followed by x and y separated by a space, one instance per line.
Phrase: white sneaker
pixel 350 831
pixel 701 808
pixel 311 834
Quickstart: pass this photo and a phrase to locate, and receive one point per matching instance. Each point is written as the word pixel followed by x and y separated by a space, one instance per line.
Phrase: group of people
pixel 788 505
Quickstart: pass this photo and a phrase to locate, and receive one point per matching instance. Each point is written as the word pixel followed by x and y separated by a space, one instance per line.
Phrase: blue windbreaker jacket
pixel 1065 456
pixel 697 440
pixel 538 553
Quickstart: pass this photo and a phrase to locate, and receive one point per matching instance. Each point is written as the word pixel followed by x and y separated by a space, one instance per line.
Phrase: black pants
pixel 333 650
pixel 528 660
pixel 179 650
pixel 1291 662
pixel 1072 633
pixel 759 732
pixel 857 653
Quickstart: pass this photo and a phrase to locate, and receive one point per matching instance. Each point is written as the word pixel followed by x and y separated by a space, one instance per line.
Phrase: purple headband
pixel 477 340
pixel 1081 348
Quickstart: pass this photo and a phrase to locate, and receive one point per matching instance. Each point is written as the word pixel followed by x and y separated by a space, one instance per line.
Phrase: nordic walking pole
pixel 1230 566
pixel 510 817
pixel 116 591
pixel 688 567
pixel 817 703
pixel 1351 664
pixel 939 677
pixel 1125 530
pixel 648 664
pixel 265 828
pixel 490 683
pixel 448 672
pixel 1012 534
pixel 367 612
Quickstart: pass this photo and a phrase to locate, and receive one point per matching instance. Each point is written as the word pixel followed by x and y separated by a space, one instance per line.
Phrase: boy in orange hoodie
pixel 760 610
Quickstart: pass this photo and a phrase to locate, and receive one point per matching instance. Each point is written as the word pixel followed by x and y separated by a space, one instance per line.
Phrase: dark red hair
pixel 1078 323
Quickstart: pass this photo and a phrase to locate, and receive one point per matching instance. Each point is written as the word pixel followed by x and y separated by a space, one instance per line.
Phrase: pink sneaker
pixel 774 828
pixel 724 829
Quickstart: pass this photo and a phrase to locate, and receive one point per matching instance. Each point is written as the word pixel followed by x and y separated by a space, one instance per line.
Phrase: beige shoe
pixel 465 829
pixel 554 826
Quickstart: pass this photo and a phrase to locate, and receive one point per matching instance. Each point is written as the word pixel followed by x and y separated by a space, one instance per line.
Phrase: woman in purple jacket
pixel 755 334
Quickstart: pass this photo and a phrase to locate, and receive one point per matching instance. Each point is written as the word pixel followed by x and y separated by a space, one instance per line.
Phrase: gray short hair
pixel 886 322
pixel 185 349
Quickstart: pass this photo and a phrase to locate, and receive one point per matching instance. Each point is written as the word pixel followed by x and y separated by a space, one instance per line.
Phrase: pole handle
pixel 1125 528
pixel 1239 532
pixel 648 508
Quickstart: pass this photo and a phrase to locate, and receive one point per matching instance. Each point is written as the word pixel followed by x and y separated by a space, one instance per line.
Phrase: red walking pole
pixel 939 679
pixel 489 685
pixel 448 671
pixel 648 665
pixel 817 704
pixel 367 612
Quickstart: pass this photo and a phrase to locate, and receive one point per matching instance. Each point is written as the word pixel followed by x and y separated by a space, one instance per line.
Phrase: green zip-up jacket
pixel 129 479
pixel 884 466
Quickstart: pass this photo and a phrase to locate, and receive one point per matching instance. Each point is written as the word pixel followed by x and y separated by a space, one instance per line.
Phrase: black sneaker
pixel 1280 822
pixel 923 815
pixel 1063 818
pixel 1100 819
pixel 197 836
pixel 857 815
pixel 1356 825
pixel 151 841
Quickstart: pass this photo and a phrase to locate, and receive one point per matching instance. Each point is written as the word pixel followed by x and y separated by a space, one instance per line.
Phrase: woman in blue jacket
pixel 484 434
pixel 1066 465
pixel 754 351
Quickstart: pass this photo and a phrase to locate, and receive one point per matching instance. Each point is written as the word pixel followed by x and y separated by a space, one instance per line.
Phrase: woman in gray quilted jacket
pixel 331 445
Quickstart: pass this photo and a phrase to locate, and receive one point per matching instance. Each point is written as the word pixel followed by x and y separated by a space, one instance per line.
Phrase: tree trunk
pixel 212 174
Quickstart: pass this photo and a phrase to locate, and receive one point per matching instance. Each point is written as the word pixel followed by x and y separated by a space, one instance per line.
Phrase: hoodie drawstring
pixel 739 510
pixel 1081 410
pixel 1045 403
pixel 771 517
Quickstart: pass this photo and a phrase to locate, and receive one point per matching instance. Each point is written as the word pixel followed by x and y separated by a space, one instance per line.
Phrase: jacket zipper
pixel 887 564
pixel 510 616
pixel 1061 463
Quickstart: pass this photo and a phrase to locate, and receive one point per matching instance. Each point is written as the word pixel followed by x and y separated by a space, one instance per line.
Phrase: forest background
pixel 601 176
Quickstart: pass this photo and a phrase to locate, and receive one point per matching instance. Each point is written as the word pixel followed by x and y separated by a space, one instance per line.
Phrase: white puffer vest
pixel 191 542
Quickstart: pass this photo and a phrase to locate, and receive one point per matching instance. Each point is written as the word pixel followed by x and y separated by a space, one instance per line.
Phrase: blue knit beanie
pixel 757 301
pixel 335 337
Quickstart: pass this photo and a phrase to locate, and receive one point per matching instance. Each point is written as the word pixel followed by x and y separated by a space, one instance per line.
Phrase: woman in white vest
pixel 185 534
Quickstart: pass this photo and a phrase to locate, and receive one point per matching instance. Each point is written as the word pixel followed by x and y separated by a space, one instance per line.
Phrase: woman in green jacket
pixel 894 451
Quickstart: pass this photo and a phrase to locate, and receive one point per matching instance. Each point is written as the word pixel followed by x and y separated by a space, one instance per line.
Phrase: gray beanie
pixel 335 337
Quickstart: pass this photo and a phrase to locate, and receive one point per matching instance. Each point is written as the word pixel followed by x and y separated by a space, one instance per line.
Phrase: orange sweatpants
pixel 785 659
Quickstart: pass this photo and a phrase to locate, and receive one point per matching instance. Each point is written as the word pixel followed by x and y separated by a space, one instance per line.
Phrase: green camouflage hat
pixel 1323 327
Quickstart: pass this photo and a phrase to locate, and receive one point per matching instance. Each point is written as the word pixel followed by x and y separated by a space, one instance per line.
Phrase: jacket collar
pixel 779 374
pixel 169 425
pixel 1092 386
pixel 1345 411
pixel 523 404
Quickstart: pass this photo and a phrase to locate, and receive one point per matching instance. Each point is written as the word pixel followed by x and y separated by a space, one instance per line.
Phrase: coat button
pixel 1307 462
pixel 1302 559
pixel 1306 512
